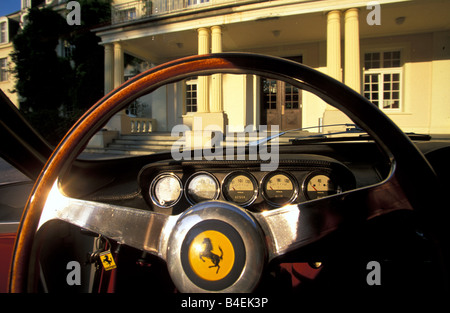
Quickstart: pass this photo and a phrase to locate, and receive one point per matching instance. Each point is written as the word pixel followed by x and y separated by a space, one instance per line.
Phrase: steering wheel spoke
pixel 144 230
pixel 294 226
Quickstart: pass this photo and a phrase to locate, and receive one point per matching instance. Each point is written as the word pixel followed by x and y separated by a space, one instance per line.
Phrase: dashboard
pixel 171 187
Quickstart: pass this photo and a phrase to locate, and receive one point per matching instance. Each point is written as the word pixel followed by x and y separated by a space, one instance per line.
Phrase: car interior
pixel 306 211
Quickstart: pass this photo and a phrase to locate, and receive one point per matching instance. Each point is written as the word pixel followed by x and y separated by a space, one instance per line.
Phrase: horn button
pixel 216 246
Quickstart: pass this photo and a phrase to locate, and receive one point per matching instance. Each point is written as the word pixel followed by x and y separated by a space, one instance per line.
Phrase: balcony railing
pixel 138 9
pixel 129 11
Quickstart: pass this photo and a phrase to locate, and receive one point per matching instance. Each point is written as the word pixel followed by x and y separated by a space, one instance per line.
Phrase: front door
pixel 281 104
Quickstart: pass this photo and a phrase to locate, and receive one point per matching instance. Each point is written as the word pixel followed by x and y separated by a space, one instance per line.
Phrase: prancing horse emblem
pixel 207 253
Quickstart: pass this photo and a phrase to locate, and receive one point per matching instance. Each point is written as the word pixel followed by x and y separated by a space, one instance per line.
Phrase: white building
pixel 397 54
pixel 9 26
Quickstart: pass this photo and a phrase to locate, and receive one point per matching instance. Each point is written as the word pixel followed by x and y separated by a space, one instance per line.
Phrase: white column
pixel 119 122
pixel 352 72
pixel 331 114
pixel 203 40
pixel 118 64
pixel 216 79
pixel 209 118
pixel 216 39
pixel 203 81
pixel 334 44
pixel 109 68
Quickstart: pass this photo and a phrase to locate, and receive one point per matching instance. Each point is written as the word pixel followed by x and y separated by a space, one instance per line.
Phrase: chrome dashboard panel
pixel 256 194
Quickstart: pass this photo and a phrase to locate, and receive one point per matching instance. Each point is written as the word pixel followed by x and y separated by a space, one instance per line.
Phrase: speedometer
pixel 202 186
pixel 166 190
pixel 240 188
pixel 279 188
pixel 320 185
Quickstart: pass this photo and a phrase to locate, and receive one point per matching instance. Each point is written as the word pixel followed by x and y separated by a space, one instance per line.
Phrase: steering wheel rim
pixel 399 191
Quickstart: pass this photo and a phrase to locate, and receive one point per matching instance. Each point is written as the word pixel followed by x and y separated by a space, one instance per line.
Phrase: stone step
pixel 122 141
pixel 140 147
pixel 138 144
pixel 150 136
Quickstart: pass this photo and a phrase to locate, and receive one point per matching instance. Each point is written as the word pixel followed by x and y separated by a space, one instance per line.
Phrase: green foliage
pixel 54 91
pixel 88 55
pixel 43 77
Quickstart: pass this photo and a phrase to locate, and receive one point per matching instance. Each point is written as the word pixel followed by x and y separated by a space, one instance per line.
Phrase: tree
pixel 88 55
pixel 43 78
pixel 55 90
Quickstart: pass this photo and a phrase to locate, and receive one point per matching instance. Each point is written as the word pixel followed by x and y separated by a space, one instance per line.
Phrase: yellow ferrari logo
pixel 107 260
pixel 211 255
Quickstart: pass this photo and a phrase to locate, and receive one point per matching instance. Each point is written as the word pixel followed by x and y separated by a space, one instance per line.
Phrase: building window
pixel 3 33
pixel 65 49
pixel 126 15
pixel 191 95
pixel 3 70
pixel 383 79
pixel 196 2
pixel 291 97
pixel 269 88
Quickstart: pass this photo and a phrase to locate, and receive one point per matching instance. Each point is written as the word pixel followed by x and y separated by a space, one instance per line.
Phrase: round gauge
pixel 201 187
pixel 240 188
pixel 320 185
pixel 166 190
pixel 279 188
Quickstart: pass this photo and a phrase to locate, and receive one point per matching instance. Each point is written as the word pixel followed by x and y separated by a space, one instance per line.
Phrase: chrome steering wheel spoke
pixel 294 226
pixel 144 230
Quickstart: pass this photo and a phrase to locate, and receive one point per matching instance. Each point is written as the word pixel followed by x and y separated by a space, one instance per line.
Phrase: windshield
pixel 56 61
pixel 221 110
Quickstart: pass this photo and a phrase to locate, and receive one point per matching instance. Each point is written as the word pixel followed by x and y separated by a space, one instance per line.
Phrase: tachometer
pixel 202 186
pixel 240 188
pixel 279 188
pixel 320 185
pixel 166 190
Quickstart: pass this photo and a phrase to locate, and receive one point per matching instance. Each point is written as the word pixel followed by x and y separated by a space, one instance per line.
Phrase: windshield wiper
pixel 350 129
pixel 413 136
pixel 321 137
